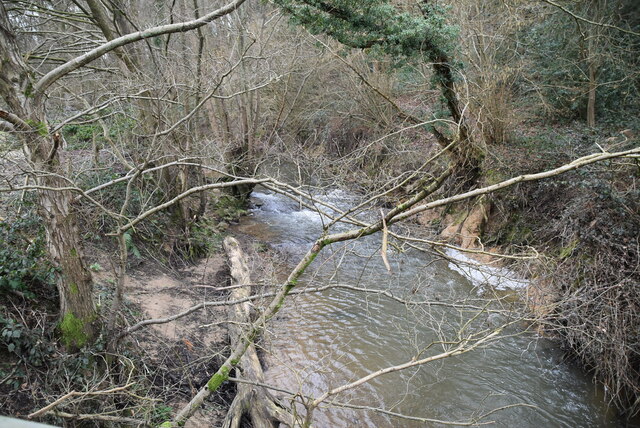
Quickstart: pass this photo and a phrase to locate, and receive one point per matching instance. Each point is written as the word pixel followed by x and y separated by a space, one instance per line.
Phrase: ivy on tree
pixel 401 33
pixel 377 24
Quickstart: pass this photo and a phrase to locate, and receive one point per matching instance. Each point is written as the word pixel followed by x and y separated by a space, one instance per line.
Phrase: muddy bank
pixel 180 355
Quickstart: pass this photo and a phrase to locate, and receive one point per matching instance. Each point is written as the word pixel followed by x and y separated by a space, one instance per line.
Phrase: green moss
pixel 40 127
pixel 460 217
pixel 568 250
pixel 73 253
pixel 218 378
pixel 493 176
pixel 74 288
pixel 312 258
pixel 72 328
pixel 229 208
pixel 28 91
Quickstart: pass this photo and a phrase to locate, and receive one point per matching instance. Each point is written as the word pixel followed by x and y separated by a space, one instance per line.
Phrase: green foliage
pixel 131 247
pixel 228 208
pixel 27 344
pixel 377 24
pixel 205 238
pixel 79 136
pixel 23 263
pixel 40 127
pixel 28 91
pixel 82 135
pixel 558 49
pixel 30 355
pixel 161 414
pixel 122 124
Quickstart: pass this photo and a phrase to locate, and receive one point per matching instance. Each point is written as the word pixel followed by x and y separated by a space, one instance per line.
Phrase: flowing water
pixel 322 340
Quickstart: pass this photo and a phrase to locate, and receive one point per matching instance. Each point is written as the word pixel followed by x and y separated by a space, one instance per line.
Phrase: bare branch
pixel 578 163
pixel 307 290
pixel 468 344
pixel 183 195
pixel 580 18
pixel 76 394
pixel 400 212
pixel 14 120
pixel 341 404
pixel 51 77
pixel 102 417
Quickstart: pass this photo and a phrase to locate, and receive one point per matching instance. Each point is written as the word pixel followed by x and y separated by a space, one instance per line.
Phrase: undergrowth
pixel 587 223
pixel 24 268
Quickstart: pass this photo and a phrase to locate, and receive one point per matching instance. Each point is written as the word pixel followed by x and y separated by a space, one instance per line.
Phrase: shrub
pixel 81 136
pixel 23 263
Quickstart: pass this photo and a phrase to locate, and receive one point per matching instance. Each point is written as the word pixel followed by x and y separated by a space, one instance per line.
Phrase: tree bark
pixel 591 102
pixel 466 155
pixel 78 314
pixel 255 401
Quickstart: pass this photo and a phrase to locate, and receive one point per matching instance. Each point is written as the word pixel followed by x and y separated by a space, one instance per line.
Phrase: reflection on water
pixel 322 341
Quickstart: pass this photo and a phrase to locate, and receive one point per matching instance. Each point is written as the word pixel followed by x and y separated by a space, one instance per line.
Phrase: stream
pixel 320 341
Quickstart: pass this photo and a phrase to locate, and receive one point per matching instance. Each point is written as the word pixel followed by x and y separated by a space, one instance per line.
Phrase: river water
pixel 322 340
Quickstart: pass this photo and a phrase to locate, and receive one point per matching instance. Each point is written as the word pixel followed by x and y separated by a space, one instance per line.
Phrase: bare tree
pixel 26 98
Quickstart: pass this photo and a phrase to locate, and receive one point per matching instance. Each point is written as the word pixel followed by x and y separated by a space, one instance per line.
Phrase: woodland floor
pixel 181 355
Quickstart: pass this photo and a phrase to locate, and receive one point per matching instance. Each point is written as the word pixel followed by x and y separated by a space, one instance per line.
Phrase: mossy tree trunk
pixel 27 114
pixel 77 311
pixel 465 154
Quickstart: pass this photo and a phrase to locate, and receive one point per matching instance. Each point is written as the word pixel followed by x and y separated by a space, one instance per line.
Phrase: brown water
pixel 322 340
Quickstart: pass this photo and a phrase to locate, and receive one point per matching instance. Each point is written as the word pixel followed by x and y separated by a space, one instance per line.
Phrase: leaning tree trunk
pixel 466 155
pixel 27 115
pixel 253 400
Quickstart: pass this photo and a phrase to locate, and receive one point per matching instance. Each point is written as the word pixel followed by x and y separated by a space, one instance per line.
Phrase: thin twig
pixel 76 394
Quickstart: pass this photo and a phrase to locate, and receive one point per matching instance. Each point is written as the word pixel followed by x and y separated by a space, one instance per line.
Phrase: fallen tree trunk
pixel 399 213
pixel 252 400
